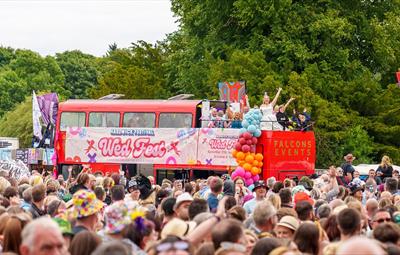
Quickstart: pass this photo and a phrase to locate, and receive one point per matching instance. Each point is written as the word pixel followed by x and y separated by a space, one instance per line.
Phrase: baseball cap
pixel 302 196
pixel 184 197
pixel 289 222
pixel 132 184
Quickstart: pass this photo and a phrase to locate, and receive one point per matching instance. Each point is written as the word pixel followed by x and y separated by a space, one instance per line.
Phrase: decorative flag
pixel 233 92
pixel 48 105
pixel 37 128
pixel 398 78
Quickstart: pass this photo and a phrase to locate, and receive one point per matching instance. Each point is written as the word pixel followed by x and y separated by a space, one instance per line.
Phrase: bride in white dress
pixel 269 121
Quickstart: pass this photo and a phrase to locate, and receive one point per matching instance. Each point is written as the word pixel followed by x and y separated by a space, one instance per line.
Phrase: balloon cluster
pixel 249 162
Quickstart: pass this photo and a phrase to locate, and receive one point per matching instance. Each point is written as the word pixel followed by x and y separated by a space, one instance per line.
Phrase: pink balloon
pixel 238 146
pixel 245 148
pixel 240 172
pixel 256 178
pixel 253 149
pixel 247 135
pixel 249 182
pixel 247 175
pixel 254 139
pixel 233 174
pixel 249 142
pixel 242 140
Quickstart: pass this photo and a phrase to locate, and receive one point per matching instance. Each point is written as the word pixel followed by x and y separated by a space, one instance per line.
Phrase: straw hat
pixel 289 222
pixel 177 227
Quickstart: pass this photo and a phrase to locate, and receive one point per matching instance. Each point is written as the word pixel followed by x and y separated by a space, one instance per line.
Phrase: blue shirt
pixel 212 201
pixel 250 205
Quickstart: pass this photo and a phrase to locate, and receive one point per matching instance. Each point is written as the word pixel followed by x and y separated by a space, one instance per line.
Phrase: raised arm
pixel 288 102
pixel 273 103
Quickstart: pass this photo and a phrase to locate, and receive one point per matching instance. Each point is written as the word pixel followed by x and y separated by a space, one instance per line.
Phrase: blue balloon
pixel 245 123
pixel 251 187
pixel 251 128
pixel 257 133
pixel 242 130
pixel 254 122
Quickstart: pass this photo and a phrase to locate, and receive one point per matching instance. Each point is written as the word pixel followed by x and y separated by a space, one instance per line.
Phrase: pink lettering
pixel 114 147
pixel 221 144
pixel 143 146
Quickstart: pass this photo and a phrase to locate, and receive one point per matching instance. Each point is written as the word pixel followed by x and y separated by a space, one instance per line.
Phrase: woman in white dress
pixel 269 121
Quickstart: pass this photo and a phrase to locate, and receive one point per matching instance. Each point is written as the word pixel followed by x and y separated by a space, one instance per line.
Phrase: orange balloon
pixel 259 157
pixel 254 170
pixel 259 170
pixel 260 164
pixel 249 159
pixel 255 163
pixel 234 152
pixel 242 162
pixel 240 155
pixel 247 166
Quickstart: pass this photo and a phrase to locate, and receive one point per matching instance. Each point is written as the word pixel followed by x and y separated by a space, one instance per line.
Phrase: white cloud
pixel 54 26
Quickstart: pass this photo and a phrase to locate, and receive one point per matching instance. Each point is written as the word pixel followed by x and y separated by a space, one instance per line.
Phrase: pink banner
pixel 151 146
pixel 131 145
pixel 215 146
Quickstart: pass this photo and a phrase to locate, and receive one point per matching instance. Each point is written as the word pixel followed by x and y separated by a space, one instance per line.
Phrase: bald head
pixel 360 245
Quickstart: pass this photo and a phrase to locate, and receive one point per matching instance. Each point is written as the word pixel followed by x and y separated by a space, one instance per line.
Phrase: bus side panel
pixel 288 154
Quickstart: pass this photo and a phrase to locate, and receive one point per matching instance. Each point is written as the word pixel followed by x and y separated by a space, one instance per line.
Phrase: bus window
pixel 175 120
pixel 72 119
pixel 139 119
pixel 104 119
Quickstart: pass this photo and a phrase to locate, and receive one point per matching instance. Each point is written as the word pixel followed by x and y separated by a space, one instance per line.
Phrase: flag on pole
pixel 48 105
pixel 37 128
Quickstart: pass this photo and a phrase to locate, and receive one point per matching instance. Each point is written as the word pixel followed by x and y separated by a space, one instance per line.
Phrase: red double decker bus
pixel 286 153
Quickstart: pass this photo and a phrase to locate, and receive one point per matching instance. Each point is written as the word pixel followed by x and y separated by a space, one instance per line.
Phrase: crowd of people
pixel 274 116
pixel 333 213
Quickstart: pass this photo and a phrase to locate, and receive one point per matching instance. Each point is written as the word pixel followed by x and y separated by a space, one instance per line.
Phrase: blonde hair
pixel 35 180
pixel 4 184
pixel 275 200
pixel 386 161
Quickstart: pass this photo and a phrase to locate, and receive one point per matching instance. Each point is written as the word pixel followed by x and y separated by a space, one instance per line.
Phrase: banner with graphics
pixel 215 146
pixel 131 145
pixel 151 145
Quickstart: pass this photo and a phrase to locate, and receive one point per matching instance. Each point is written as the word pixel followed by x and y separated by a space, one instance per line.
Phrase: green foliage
pixel 80 72
pixel 18 123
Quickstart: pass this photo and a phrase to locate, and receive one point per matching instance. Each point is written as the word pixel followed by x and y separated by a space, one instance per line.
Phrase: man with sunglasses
pixel 379 217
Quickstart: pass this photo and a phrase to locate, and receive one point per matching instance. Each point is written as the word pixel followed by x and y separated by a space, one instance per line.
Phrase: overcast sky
pixel 50 26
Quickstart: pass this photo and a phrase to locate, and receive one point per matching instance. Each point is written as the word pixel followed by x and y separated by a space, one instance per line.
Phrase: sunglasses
pixel 384 220
pixel 178 245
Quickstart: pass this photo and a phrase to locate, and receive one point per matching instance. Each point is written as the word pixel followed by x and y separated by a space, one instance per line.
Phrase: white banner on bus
pixel 151 146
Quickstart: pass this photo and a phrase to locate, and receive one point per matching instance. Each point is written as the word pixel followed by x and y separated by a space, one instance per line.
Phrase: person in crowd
pixel 380 216
pixel 265 219
pixel 385 167
pixel 83 182
pixel 181 206
pixel 372 176
pixel 167 208
pixel 260 189
pixel 307 238
pixel 286 227
pixel 216 186
pixel 85 210
pixel 84 243
pixel 349 223
pixel 281 115
pixel 348 169
pixel 42 236
pixel 304 210
pixel 240 190
pixel 38 197
pixel 117 193
pixel 391 185
pixel 133 191
pixel 197 206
